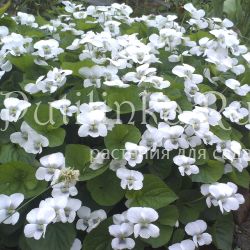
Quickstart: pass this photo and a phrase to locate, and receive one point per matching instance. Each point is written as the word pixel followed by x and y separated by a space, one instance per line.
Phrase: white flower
pixel 4 31
pixel 197 14
pixel 197 120
pixel 186 165
pixel 72 206
pixel 186 71
pixel 223 195
pixel 112 27
pixel 204 99
pixel 192 139
pixel 35 143
pixel 26 19
pixel 8 205
pixel 213 117
pixel 232 83
pixel 47 49
pixel 50 166
pixel 158 82
pixel 89 220
pixel 64 106
pixel 79 15
pixel 96 218
pixel 247 57
pixel 156 100
pixel 173 136
pixel 235 112
pixel 184 245
pixel 77 245
pixel 84 215
pixel 58 204
pixel 151 138
pixel 241 162
pixel 161 104
pixel 210 138
pixel 130 179
pixel 118 219
pixel 134 153
pixel 141 74
pixel 55 79
pixel 204 44
pixel 116 83
pixel 238 89
pixel 1 74
pixel 64 189
pixel 92 124
pixel 22 137
pixel 93 75
pixel 15 44
pixel 168 39
pixel 197 229
pixel 29 139
pixel 142 218
pixel 38 220
pixel 13 109
pixel 121 234
pixel 71 7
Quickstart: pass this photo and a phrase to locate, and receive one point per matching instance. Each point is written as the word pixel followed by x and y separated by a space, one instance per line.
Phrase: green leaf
pixel 85 24
pixel 184 103
pixel 5 7
pixel 59 236
pixel 217 8
pixel 26 30
pixel 189 212
pixel 163 239
pixel 105 189
pixel 90 173
pixel 209 173
pixel 99 238
pixel 118 136
pixel 155 193
pixel 42 117
pixel 230 7
pixel 190 205
pixel 178 235
pixel 137 27
pixel 236 135
pixel 56 137
pixel 161 167
pixel 240 178
pixel 75 66
pixel 19 177
pixel 5 132
pixel 11 152
pixel 221 133
pixel 8 21
pixel 200 34
pixel 168 215
pixel 222 232
pixel 77 156
pixel 23 62
pixel 124 100
pixel 83 95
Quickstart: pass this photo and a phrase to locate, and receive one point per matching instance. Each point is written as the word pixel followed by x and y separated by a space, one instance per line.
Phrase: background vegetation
pixel 236 10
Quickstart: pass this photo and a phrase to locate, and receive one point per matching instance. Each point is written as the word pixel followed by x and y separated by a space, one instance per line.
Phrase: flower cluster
pixel 137 221
pixel 223 195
